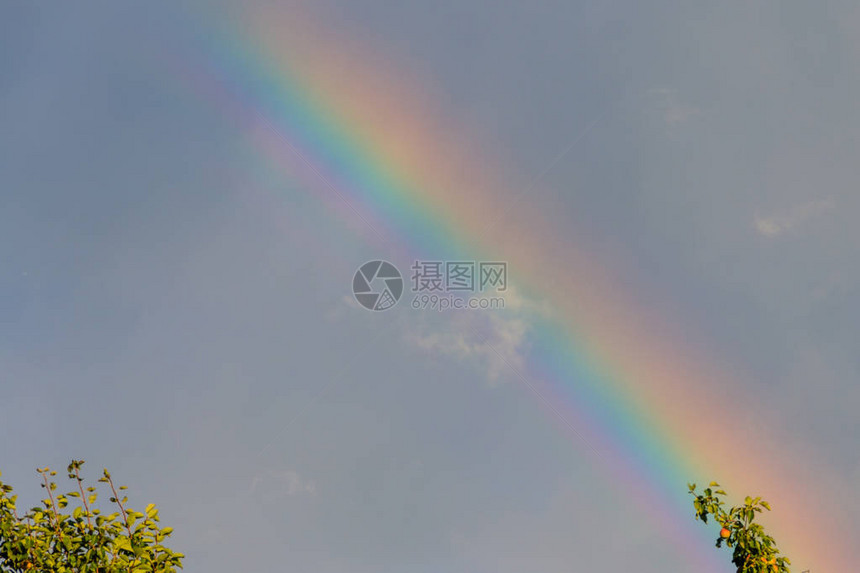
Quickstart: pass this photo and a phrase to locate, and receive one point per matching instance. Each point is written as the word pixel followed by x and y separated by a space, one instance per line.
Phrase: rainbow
pixel 641 394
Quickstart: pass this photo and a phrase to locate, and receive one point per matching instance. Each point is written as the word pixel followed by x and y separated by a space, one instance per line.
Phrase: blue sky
pixel 174 314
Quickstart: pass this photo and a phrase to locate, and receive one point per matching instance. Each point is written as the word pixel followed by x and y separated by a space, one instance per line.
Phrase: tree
pixel 83 540
pixel 754 550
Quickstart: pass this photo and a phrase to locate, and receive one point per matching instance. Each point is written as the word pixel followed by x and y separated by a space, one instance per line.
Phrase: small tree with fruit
pixel 754 551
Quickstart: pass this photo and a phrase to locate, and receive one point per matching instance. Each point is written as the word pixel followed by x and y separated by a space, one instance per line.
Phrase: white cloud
pixel 287 482
pixel 496 342
pixel 496 339
pixel 517 302
pixel 779 223
pixel 346 303
pixel 674 111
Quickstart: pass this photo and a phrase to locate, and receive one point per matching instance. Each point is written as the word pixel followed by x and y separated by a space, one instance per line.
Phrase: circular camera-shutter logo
pixel 377 285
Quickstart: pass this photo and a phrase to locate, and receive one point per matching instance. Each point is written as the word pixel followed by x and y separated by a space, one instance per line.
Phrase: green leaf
pixel 122 543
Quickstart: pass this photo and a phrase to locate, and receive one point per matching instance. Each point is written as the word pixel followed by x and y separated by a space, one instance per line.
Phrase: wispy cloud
pixel 496 342
pixel 287 482
pixel 496 339
pixel 675 112
pixel 493 338
pixel 780 223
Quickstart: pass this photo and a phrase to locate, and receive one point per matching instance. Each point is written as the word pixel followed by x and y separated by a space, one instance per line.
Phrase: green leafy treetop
pixel 754 550
pixel 52 539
